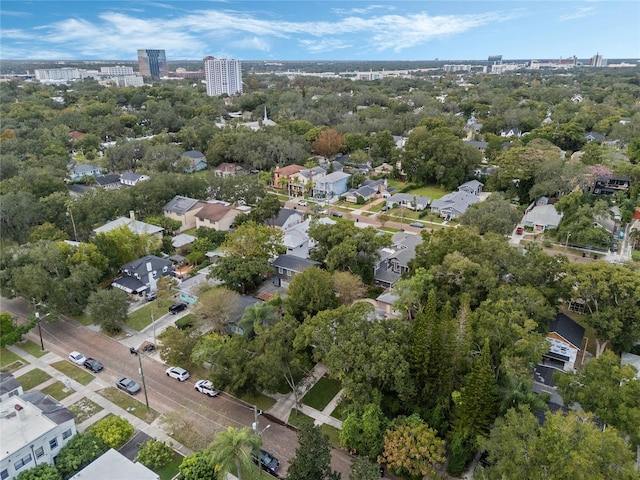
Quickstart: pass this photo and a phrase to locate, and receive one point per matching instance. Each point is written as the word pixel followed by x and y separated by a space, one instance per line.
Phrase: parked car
pixel 128 385
pixel 206 387
pixel 385 208
pixel 337 214
pixel 519 230
pixel 94 365
pixel 302 203
pixel 151 296
pixel 77 358
pixel 268 462
pixel 417 225
pixel 177 373
pixel 177 307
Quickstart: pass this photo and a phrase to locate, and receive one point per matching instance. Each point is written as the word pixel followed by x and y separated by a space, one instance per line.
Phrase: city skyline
pixel 322 30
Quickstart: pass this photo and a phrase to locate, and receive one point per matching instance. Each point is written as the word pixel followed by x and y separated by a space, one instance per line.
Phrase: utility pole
pixel 153 322
pixel 144 385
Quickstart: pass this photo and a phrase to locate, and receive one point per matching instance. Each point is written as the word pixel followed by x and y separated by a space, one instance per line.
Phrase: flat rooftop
pixel 21 423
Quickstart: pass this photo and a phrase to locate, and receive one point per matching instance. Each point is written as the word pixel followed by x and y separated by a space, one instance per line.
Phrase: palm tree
pixel 234 447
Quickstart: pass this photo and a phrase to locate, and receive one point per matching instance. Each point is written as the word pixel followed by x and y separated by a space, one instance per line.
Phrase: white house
pixel 34 428
pixel 111 465
pixel 565 343
pixel 130 179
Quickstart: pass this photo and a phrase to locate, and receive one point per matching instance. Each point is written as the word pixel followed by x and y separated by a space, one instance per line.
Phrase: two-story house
pixel 287 267
pixel 34 428
pixel 225 170
pixel 609 184
pixel 394 261
pixel 131 179
pixel 302 182
pixel 286 219
pixel 183 210
pixel 195 161
pixel 219 216
pixel 454 204
pixel 142 274
pixel 565 338
pixel 282 175
pixel 331 185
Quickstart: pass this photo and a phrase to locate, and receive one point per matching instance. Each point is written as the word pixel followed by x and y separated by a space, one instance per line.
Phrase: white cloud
pixel 579 13
pixel 323 45
pixel 361 11
pixel 253 43
pixel 14 13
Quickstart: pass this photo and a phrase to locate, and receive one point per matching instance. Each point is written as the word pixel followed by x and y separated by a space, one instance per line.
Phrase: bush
pixel 44 471
pixel 154 454
pixel 185 322
pixel 81 450
pixel 113 430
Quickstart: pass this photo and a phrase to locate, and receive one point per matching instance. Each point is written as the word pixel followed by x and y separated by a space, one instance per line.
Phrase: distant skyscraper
pixel 493 60
pixel 598 61
pixel 223 75
pixel 153 63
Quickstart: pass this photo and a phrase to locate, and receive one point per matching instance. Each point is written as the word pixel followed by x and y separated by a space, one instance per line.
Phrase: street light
pixel 38 320
pixel 133 351
pixel 566 243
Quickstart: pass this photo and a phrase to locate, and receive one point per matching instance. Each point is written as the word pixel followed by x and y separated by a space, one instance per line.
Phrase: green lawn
pixel 70 370
pixel 341 410
pixel 10 362
pixel 170 470
pixel 259 400
pixel 84 320
pixel 58 390
pixel 140 318
pixel 299 419
pixel 32 348
pixel 33 378
pixel 431 192
pixel 322 393
pixel 84 409
pixel 130 403
pixel 333 433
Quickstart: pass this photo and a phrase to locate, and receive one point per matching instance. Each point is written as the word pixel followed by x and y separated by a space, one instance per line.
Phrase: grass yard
pixel 10 362
pixel 322 393
pixel 635 255
pixel 333 433
pixel 80 375
pixel 32 348
pixel 299 419
pixel 431 192
pixel 141 318
pixel 84 320
pixel 58 390
pixel 170 470
pixel 340 412
pixel 33 378
pixel 259 400
pixel 129 403
pixel 84 409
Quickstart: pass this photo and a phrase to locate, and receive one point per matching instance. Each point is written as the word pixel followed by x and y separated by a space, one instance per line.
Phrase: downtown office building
pixel 223 76
pixel 153 63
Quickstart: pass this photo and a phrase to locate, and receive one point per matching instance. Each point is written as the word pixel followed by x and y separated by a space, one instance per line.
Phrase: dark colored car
pixel 519 230
pixel 336 214
pixel 268 462
pixel 128 385
pixel 92 364
pixel 177 307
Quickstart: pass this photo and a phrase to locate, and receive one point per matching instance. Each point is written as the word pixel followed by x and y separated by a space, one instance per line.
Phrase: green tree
pixel 233 448
pixel 495 214
pixel 240 274
pixel 364 431
pixel 607 389
pixel 310 292
pixel 313 456
pixel 633 150
pixel 206 349
pixel 217 308
pixel 266 210
pixel 10 331
pixel 113 430
pixel 43 471
pixel 108 308
pixel 177 346
pixel 80 451
pixel 154 454
pixel 412 448
pixel 363 469
pixel 196 467
pixel 348 287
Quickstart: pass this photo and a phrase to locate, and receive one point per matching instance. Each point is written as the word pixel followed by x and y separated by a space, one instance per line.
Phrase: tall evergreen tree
pixel 313 456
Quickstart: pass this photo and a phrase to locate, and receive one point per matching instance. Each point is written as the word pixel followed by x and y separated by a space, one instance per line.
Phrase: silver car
pixel 206 387
pixel 128 385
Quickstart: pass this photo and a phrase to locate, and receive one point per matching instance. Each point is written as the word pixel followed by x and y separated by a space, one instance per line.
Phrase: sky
pixel 319 30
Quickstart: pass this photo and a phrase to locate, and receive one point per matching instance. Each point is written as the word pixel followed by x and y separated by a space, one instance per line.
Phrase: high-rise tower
pixel 223 75
pixel 153 63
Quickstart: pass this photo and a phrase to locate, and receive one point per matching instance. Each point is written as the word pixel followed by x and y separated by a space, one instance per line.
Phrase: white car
pixel 177 373
pixel 77 358
pixel 302 203
pixel 206 387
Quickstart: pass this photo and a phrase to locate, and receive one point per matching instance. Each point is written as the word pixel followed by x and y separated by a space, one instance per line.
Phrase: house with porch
pixel 288 266
pixel 542 216
pixel 331 185
pixel 131 179
pixel 225 170
pixel 142 274
pixel 84 170
pixel 302 182
pixel 393 261
pixel 282 175
pixel 407 200
pixel 286 219
pixel 565 339
pixel 609 184
pixel 183 210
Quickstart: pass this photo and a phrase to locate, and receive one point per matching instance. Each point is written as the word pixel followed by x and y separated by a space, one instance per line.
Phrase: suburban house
pixel 9 386
pixel 196 161
pixel 225 170
pixel 368 190
pixel 282 175
pixel 542 216
pixel 287 267
pixel 84 170
pixel 286 219
pixel 136 226
pixel 400 141
pixel 34 428
pixel 480 146
pixel 142 274
pixel 183 210
pixel 182 240
pixel 454 204
pixel 594 137
pixel 296 238
pixel 301 182
pixel 407 200
pixel 112 464
pixel 608 184
pixel 511 132
pixel 394 260
pixel 131 179
pixel 385 305
pixel 473 126
pixel 77 189
pixel 219 216
pixel 331 185
pixel 565 337
pixel 110 181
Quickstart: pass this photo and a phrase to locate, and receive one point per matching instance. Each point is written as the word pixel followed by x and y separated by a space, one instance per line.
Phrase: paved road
pixel 165 394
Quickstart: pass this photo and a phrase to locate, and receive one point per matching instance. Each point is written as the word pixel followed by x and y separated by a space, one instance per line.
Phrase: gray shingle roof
pixel 48 406
pixel 8 383
pixel 293 263
pixel 181 205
